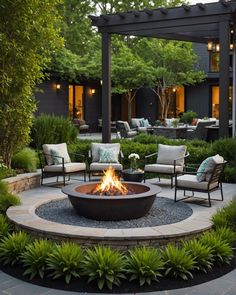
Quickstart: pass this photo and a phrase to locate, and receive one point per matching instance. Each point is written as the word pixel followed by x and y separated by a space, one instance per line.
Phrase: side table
pixel 133 175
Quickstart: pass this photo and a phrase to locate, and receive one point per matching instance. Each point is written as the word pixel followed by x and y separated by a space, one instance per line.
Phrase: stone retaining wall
pixel 23 182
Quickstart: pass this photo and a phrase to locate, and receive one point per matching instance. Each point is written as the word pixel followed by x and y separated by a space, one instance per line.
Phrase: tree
pixel 174 64
pixel 129 73
pixel 29 31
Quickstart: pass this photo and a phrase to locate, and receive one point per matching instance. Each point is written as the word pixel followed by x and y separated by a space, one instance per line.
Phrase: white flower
pixel 134 156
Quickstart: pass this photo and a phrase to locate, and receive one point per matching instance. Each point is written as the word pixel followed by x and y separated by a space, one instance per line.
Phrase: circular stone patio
pixel 24 217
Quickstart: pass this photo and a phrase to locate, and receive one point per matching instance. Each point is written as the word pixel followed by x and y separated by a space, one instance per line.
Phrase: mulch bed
pixel 81 285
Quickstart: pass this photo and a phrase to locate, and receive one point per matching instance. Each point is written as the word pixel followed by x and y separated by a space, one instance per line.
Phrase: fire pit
pixel 111 199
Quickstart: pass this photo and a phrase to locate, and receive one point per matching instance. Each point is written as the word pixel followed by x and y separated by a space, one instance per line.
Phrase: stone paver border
pixel 25 218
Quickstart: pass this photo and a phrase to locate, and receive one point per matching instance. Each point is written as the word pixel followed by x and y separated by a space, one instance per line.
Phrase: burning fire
pixel 110 185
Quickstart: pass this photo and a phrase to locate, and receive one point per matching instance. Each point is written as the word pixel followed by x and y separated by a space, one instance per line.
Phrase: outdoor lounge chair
pixel 103 155
pixel 211 181
pixel 55 161
pixel 200 132
pixel 170 160
pixel 81 125
pixel 125 130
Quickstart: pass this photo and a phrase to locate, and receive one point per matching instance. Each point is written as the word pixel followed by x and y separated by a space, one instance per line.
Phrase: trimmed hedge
pixel 145 144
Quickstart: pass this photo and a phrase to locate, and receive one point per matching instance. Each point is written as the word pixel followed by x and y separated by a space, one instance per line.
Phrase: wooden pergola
pixel 200 23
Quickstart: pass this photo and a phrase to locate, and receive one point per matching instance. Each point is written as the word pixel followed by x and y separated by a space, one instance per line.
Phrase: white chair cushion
pixel 96 166
pixel 136 122
pixel 190 181
pixel 167 154
pixel 69 167
pixel 132 133
pixel 142 129
pixel 95 147
pixel 160 168
pixel 60 149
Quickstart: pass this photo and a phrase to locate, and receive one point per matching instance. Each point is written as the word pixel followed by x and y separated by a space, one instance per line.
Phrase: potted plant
pixel 188 117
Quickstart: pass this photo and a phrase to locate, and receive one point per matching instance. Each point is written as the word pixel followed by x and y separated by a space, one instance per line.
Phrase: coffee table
pixel 133 175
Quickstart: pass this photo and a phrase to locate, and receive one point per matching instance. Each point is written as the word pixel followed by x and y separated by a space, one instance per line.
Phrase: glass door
pixel 76 101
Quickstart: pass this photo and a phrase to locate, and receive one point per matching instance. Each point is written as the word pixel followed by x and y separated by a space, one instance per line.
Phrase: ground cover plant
pixel 25 160
pixel 6 198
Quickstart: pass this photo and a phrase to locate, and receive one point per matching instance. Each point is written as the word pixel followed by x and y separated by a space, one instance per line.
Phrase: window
pixel 177 102
pixel 214 61
pixel 215 94
pixel 76 107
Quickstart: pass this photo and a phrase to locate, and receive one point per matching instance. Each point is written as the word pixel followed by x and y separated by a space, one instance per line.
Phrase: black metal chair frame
pixel 172 175
pixel 90 156
pixel 45 174
pixel 216 176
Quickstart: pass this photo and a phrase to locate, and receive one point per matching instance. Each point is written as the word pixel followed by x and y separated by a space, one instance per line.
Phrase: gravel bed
pixel 164 211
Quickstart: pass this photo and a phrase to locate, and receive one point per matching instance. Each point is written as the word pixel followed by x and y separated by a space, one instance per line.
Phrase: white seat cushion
pixel 168 153
pixel 95 147
pixel 69 167
pixel 132 133
pixel 96 166
pixel 142 129
pixel 60 149
pixel 190 181
pixel 160 168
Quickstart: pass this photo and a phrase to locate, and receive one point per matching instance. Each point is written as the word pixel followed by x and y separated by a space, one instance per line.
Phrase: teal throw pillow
pixel 145 123
pixel 206 166
pixel 55 159
pixel 141 123
pixel 107 156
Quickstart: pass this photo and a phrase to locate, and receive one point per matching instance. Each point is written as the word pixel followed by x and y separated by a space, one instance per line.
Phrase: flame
pixel 110 184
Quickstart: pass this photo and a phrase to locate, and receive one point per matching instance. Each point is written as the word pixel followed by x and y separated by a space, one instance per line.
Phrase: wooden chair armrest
pixel 151 155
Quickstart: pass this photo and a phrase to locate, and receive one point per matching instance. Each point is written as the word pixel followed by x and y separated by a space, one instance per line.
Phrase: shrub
pixel 201 254
pixel 52 129
pixel 65 261
pixel 34 258
pixel 25 160
pixel 3 188
pixel 188 117
pixel 178 262
pixel 7 200
pixel 6 172
pixel 226 148
pixel 226 234
pixel 104 265
pixel 221 250
pixel 229 174
pixel 226 217
pixel 144 264
pixel 12 246
pixel 5 226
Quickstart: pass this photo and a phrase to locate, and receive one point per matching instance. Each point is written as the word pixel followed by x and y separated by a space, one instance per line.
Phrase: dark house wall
pixel 197 99
pixel 52 101
pixel 146 104
pixel 203 56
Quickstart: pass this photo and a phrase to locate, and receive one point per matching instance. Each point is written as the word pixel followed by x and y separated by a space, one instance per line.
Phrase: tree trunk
pixel 129 100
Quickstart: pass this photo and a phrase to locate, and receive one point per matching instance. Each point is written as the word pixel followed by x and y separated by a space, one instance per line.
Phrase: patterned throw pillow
pixel 108 156
pixel 55 159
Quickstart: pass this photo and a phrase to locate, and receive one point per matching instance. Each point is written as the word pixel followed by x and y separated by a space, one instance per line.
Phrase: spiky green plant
pixel 5 226
pixel 104 265
pixel 222 252
pixel 178 262
pixel 65 261
pixel 144 264
pixel 226 234
pixel 35 256
pixel 201 254
pixel 7 200
pixel 12 246
pixel 226 217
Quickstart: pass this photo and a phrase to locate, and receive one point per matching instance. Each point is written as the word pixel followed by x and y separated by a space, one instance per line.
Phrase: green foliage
pixel 7 200
pixel 201 254
pixel 188 117
pixel 144 264
pixel 3 188
pixel 25 160
pixel 5 226
pixel 226 217
pixel 104 265
pixel 178 262
pixel 65 261
pixel 26 43
pixel 226 148
pixel 226 234
pixel 221 250
pixel 35 256
pixel 52 129
pixel 12 246
pixel 229 174
pixel 6 172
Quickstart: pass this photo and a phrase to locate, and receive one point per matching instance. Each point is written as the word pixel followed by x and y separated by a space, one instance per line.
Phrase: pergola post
pixel 224 34
pixel 106 87
pixel 234 84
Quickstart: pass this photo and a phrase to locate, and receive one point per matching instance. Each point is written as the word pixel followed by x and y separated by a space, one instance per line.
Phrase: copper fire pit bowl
pixel 122 207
